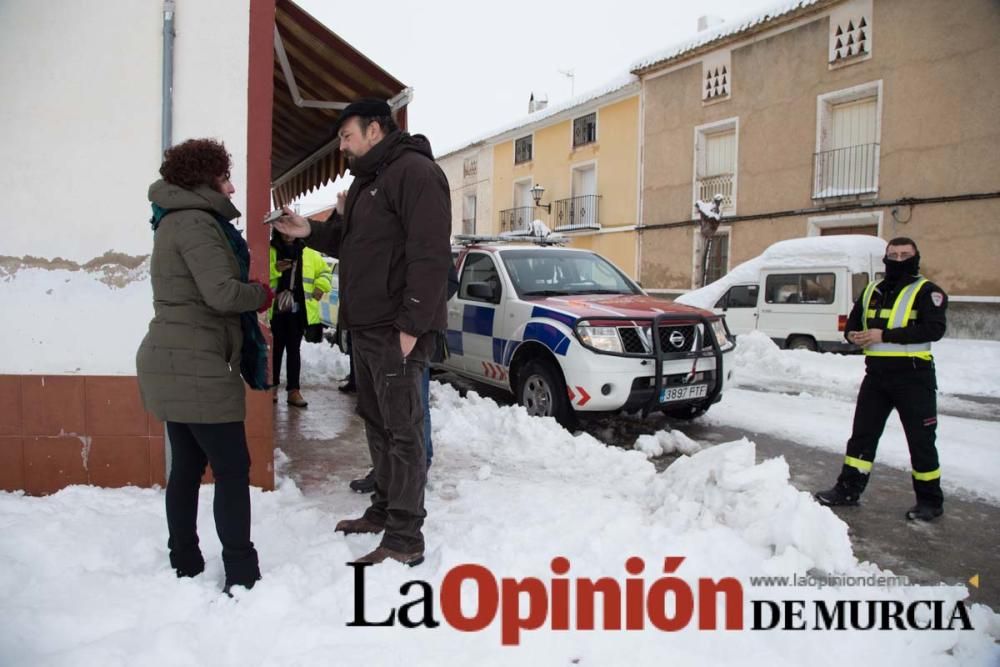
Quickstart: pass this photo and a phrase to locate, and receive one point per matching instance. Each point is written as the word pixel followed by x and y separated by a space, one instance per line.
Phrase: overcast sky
pixel 473 66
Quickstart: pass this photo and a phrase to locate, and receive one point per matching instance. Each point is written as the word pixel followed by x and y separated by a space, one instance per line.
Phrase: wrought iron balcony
pixel 719 184
pixel 577 213
pixel 846 171
pixel 516 219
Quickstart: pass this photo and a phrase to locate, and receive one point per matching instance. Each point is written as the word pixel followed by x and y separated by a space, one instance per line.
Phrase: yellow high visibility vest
pixel 899 316
pixel 313 273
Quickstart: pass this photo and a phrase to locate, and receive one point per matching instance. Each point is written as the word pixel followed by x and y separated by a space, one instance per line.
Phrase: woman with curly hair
pixel 189 364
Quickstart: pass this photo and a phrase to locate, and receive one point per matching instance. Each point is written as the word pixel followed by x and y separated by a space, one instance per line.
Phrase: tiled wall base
pixel 57 430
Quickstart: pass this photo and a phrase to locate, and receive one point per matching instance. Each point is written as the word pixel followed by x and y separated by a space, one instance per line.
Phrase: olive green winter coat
pixel 189 362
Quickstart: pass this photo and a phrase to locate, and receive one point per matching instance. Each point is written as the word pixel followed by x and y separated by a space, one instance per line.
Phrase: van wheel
pixel 801 343
pixel 542 392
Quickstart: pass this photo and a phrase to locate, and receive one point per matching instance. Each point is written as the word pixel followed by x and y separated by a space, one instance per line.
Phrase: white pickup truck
pixel 566 331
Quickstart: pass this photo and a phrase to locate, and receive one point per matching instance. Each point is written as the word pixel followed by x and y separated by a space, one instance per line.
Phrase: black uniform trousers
pixel 390 402
pixel 912 392
pixel 287 330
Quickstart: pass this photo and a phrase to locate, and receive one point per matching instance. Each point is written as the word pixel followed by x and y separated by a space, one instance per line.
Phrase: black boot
pixel 364 484
pixel 242 570
pixel 921 512
pixel 838 496
pixel 187 562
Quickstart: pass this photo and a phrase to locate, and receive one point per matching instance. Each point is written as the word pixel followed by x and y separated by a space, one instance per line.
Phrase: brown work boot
pixel 357 526
pixel 381 553
pixel 295 399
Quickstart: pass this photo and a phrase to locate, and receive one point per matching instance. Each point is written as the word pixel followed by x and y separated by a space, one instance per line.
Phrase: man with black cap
pixel 895 321
pixel 391 232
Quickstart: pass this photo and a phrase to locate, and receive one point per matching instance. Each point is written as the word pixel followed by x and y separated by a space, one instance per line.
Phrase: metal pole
pixel 166 135
pixel 166 111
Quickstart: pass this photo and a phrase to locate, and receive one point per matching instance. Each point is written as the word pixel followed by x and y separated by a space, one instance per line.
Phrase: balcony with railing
pixel 846 171
pixel 718 184
pixel 577 213
pixel 468 225
pixel 516 219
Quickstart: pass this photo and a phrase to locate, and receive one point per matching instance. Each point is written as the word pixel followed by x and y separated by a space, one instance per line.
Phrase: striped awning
pixel 316 74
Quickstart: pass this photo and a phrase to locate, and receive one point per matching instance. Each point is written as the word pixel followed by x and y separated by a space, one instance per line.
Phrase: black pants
pixel 225 447
pixel 287 330
pixel 391 403
pixel 913 394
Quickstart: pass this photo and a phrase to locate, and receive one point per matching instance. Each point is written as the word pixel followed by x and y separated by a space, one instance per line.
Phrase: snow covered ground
pixel 84 578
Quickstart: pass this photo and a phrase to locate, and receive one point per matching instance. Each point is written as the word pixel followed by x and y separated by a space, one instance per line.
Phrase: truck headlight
pixel 721 337
pixel 605 339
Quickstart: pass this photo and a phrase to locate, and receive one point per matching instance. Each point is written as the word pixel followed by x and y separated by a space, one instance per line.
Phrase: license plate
pixel 683 392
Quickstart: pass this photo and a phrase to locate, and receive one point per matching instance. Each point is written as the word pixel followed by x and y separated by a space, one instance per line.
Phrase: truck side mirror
pixel 481 291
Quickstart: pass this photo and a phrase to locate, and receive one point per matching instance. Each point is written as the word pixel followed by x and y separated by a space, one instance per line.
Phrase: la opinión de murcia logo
pixel 667 604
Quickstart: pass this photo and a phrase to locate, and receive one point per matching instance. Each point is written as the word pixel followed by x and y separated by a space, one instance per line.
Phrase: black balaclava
pixel 898 270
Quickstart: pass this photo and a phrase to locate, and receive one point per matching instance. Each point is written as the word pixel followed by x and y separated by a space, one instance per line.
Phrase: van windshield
pixel 814 288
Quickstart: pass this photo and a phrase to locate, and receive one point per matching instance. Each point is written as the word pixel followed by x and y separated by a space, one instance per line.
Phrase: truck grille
pixel 682 334
pixel 676 339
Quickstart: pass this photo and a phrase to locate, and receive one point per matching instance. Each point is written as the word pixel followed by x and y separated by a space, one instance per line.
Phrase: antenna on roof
pixel 570 74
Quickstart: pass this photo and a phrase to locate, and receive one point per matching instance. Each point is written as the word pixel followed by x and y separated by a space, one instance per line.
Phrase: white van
pixel 799 292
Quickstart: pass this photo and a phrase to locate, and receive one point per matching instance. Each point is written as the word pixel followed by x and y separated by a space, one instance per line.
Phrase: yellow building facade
pixel 586 158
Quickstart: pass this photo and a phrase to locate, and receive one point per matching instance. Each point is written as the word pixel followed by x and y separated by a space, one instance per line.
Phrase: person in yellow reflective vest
pixel 299 277
pixel 895 321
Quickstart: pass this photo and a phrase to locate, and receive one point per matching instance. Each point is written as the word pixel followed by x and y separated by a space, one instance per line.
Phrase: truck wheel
pixel 542 392
pixel 801 343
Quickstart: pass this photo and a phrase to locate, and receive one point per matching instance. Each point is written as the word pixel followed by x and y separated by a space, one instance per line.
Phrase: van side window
pixel 813 288
pixel 739 296
pixel 859 281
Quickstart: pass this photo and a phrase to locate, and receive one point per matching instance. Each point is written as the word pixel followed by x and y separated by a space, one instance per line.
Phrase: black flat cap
pixel 366 107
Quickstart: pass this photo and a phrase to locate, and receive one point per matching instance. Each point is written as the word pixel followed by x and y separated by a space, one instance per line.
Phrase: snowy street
pixel 84 577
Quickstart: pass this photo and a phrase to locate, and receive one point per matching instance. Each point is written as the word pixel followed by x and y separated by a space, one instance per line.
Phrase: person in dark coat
pixel 189 361
pixel 391 232
pixel 288 324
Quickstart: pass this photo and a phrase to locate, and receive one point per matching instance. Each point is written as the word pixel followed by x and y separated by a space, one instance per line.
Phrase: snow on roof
pixel 855 251
pixel 612 86
pixel 727 29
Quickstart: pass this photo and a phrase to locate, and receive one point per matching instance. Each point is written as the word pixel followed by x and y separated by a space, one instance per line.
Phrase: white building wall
pixel 80 118
pixel 480 185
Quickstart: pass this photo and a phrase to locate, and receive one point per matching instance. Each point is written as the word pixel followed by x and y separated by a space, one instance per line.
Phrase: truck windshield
pixel 556 272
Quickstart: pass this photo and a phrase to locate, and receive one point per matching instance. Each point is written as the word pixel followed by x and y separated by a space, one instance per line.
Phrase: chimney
pixel 537 103
pixel 706 22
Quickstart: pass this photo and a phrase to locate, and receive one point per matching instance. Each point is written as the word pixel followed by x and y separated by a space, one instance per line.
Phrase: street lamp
pixel 536 194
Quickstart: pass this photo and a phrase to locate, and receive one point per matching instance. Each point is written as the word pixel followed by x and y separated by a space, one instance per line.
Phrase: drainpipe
pixel 166 134
pixel 167 109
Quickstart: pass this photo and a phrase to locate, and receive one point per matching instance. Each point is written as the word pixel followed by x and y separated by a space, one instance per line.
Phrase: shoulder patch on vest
pixel 937 298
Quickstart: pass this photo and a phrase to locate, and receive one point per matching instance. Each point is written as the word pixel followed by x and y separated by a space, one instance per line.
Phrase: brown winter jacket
pixel 393 241
pixel 189 362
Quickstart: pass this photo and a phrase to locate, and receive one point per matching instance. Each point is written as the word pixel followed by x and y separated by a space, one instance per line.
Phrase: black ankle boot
pixel 188 562
pixel 837 496
pixel 242 570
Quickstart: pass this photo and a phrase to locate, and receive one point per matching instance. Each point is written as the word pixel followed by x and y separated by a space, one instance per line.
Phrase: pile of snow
pixel 84 577
pixel 666 442
pixel 854 251
pixel 323 365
